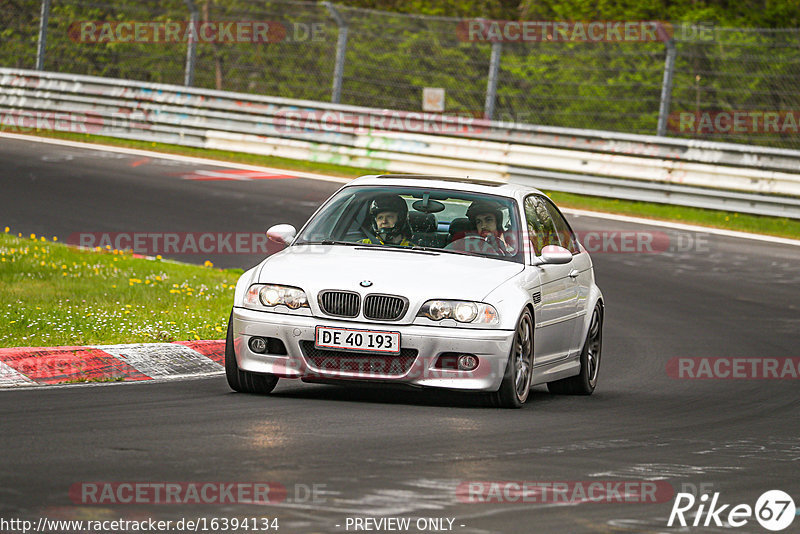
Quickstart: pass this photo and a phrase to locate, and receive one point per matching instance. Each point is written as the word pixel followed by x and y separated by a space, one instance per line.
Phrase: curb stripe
pixel 11 377
pixel 214 350
pixel 162 360
pixel 53 365
pixel 33 366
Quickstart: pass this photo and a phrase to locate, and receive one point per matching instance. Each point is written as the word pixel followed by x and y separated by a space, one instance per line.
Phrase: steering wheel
pixel 475 243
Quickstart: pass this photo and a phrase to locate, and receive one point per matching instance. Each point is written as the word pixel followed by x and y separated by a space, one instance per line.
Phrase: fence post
pixel 491 86
pixel 42 34
pixel 341 50
pixel 191 46
pixel 666 89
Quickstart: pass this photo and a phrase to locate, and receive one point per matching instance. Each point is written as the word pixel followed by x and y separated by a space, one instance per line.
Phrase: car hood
pixel 415 275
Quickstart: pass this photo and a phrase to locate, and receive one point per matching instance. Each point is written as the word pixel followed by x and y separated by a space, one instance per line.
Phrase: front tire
pixel 244 381
pixel 516 383
pixel 585 382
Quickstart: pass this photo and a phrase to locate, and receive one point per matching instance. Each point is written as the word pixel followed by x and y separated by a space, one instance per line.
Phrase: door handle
pixel 574 273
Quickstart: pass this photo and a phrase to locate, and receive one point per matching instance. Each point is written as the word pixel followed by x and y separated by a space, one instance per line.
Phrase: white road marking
pixel 682 226
pixel 10 377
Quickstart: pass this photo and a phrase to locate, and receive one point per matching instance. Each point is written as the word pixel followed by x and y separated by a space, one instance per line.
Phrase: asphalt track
pixel 378 453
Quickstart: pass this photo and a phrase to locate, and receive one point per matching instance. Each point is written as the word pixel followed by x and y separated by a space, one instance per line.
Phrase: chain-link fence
pixel 737 85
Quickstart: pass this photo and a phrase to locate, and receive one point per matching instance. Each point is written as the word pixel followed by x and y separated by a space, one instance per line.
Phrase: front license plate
pixel 357 340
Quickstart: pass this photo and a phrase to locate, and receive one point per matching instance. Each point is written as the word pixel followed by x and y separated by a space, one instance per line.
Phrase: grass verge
pixel 53 294
pixel 777 226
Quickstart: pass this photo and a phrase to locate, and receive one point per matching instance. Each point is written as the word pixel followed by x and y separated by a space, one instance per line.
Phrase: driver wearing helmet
pixel 487 218
pixel 389 214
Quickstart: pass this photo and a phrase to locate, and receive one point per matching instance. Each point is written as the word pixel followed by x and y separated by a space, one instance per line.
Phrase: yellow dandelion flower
pixel 55 238
pixel 208 264
pixel 8 229
pixel 33 236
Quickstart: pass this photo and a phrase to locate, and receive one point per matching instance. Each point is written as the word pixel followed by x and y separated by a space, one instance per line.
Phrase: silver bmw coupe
pixel 424 281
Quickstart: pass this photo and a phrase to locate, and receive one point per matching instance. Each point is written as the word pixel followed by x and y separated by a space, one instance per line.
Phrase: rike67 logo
pixel 774 510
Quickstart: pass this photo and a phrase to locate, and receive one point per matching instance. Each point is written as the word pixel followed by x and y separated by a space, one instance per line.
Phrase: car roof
pixel 461 183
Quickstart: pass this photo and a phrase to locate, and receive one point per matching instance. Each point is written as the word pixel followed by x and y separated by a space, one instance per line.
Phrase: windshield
pixel 442 220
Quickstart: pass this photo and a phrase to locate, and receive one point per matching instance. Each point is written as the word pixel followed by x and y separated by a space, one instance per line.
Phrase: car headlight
pixel 272 295
pixel 463 311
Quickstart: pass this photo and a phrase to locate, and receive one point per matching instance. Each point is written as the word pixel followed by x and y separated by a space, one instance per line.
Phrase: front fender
pixel 510 298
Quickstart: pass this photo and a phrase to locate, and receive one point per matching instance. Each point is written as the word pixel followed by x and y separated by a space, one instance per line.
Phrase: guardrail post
pixel 491 86
pixel 42 34
pixel 341 50
pixel 666 89
pixel 191 46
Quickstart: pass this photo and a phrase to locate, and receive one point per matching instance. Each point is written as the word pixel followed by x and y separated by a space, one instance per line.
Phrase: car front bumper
pixel 428 342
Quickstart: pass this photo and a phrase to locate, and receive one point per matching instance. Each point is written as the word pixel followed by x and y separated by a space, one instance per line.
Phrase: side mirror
pixel 281 233
pixel 553 255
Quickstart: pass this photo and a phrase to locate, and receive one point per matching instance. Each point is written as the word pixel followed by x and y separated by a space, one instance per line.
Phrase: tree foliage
pixel 395 48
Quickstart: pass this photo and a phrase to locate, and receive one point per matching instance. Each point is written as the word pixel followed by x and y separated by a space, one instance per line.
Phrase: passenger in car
pixel 389 215
pixel 487 218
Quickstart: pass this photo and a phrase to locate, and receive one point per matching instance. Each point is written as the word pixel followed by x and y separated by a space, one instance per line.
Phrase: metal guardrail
pixel 742 178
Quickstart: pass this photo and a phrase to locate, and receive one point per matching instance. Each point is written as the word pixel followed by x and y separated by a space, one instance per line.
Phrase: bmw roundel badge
pixel 365 283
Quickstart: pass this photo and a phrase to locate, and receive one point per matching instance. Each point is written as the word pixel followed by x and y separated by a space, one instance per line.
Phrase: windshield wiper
pixel 330 242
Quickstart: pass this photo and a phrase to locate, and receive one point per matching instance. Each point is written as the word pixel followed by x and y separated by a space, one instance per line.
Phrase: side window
pixel 565 233
pixel 541 227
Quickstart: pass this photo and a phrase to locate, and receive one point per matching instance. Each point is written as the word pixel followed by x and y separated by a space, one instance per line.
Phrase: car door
pixel 554 287
pixel 580 271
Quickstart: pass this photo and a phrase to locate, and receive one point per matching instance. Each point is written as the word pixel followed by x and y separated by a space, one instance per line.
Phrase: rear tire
pixel 584 382
pixel 244 381
pixel 516 385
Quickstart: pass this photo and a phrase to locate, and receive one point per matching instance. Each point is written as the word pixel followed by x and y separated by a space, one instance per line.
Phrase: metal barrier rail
pixel 704 174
